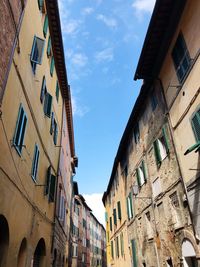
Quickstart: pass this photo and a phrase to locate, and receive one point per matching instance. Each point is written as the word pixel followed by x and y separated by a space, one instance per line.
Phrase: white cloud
pixel 94 201
pixel 79 60
pixel 78 109
pixel 87 11
pixel 110 22
pixel 104 55
pixel 143 6
pixel 71 26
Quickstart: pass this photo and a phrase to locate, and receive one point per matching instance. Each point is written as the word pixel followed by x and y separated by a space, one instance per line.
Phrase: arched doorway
pixel 54 258
pixel 189 255
pixel 39 254
pixel 21 261
pixel 4 240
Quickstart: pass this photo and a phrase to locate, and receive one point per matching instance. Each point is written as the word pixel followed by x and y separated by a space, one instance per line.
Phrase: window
pixel 41 4
pixel 161 147
pixel 106 217
pixel 50 185
pixel 62 208
pixel 55 136
pixel 52 66
pixel 115 216
pixel 43 90
pixel 122 244
pixel 119 210
pixel 57 91
pixel 134 256
pixel 45 27
pixel 157 187
pixel 36 52
pixel 49 47
pixel 181 58
pixel 20 130
pixel 35 162
pixel 174 200
pixel 117 246
pixel 48 104
pixel 136 133
pixel 110 223
pixel 141 174
pixel 112 250
pixel 196 125
pixel 154 101
pixel 129 206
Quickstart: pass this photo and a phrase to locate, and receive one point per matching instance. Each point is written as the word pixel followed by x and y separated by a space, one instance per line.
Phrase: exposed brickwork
pixel 7 35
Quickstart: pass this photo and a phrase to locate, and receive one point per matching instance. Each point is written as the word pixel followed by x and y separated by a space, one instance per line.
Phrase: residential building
pixel 35 107
pixel 170 55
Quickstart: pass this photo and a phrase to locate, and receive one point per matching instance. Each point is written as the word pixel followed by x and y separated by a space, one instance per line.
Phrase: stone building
pixel 170 55
pixel 36 102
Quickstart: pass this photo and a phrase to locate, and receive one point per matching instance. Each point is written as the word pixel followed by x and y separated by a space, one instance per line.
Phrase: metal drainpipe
pixel 16 39
pixel 177 158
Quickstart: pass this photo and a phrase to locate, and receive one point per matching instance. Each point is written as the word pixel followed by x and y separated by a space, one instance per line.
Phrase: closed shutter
pixel 40 4
pixel 52 66
pixel 119 210
pixel 57 91
pixel 144 170
pixel 52 188
pixel 112 250
pixel 55 137
pixel 138 177
pixel 48 104
pixel 115 216
pixel 127 207
pixel 196 125
pixel 49 47
pixel 122 244
pixel 35 162
pixel 131 205
pixel 134 256
pixel 157 152
pixel 48 180
pixel 110 223
pixel 45 27
pixel 166 140
pixel 43 89
pixel 52 123
pixel 106 217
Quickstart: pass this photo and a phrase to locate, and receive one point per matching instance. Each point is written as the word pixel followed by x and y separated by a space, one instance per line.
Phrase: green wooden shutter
pixel 165 138
pixel 57 91
pixel 115 216
pixel 112 250
pixel 45 27
pixel 117 249
pixel 48 104
pixel 48 180
pixel 40 4
pixel 52 66
pixel 106 216
pixel 157 152
pixel 138 177
pixel 35 162
pixel 196 125
pixel 52 123
pixel 144 170
pixel 43 89
pixel 110 223
pixel 49 46
pixel 122 244
pixel 134 256
pixel 127 206
pixel 119 210
pixel 52 188
pixel 55 137
pixel 131 205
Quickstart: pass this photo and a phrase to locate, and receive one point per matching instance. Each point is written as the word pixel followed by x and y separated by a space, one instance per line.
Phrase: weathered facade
pixel 176 67
pixel 36 101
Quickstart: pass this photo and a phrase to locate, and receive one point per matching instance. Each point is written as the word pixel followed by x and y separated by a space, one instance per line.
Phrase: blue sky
pixel 102 40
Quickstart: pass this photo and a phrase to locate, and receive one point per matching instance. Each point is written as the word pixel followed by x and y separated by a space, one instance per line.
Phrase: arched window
pixel 21 261
pixel 4 240
pixel 39 254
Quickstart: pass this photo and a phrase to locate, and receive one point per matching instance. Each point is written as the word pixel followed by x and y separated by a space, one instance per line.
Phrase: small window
pixel 35 163
pixel 57 91
pixel 112 250
pixel 52 66
pixel 122 243
pixel 119 210
pixel 156 187
pixel 49 47
pixel 136 133
pixel 52 123
pixel 48 104
pixel 115 216
pixel 181 58
pixel 141 174
pixel 55 136
pixel 20 130
pixel 117 246
pixel 45 27
pixel 161 147
pixel 36 52
pixel 174 200
pixel 50 185
pixel 196 125
pixel 43 90
pixel 129 206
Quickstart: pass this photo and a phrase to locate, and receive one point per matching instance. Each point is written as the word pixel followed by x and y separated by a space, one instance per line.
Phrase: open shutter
pixel 45 27
pixel 52 66
pixel 138 177
pixel 127 206
pixel 48 104
pixel 157 152
pixel 55 137
pixel 52 123
pixel 49 47
pixel 119 210
pixel 40 4
pixel 115 216
pixel 165 138
pixel 57 91
pixel 48 180
pixel 134 256
pixel 196 125
pixel 52 188
pixel 106 217
pixel 110 223
pixel 131 205
pixel 43 89
pixel 144 170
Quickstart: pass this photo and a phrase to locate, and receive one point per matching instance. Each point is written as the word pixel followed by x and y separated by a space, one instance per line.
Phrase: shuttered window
pixel 20 129
pixel 57 91
pixel 48 181
pixel 134 255
pixel 55 135
pixel 115 216
pixel 52 66
pixel 36 52
pixel 50 185
pixel 161 146
pixel 122 244
pixel 43 90
pixel 110 223
pixel 112 250
pixel 119 210
pixel 48 104
pixel 40 4
pixel 35 162
pixel 196 125
pixel 136 133
pixel 52 123
pixel 106 217
pixel 49 47
pixel 117 246
pixel 129 206
pixel 141 174
pixel 45 27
